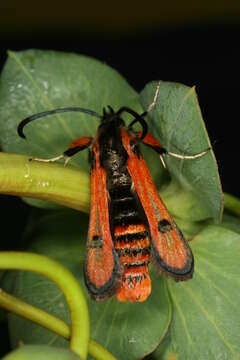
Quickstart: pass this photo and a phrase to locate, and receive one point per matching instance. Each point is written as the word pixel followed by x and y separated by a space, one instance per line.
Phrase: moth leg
pixel 75 147
pixel 59 157
pixel 153 143
pixel 138 118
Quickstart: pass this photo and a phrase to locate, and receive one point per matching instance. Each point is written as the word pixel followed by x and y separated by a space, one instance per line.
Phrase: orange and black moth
pixel 129 224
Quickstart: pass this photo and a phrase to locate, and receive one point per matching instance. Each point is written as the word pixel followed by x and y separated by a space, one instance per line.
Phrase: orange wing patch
pixel 103 269
pixel 170 252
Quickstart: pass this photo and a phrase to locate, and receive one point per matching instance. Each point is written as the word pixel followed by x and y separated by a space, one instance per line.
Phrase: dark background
pixel 192 50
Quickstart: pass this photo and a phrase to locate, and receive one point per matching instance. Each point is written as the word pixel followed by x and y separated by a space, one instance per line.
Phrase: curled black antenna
pixel 138 118
pixel 143 124
pixel 52 112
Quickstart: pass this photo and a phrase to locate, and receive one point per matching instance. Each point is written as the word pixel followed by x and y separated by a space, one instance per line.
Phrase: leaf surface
pixel 177 122
pixel 206 309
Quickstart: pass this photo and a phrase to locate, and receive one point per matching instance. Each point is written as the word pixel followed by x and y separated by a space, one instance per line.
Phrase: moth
pixel 129 224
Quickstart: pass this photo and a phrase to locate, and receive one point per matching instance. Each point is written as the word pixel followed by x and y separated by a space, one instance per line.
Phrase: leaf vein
pixel 94 331
pixel 215 287
pixel 181 314
pixel 211 320
pixel 111 325
pixel 216 269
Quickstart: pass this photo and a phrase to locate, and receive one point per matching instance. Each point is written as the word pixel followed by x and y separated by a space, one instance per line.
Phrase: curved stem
pixel 232 204
pixel 27 311
pixel 50 322
pixel 99 352
pixel 53 182
pixel 80 329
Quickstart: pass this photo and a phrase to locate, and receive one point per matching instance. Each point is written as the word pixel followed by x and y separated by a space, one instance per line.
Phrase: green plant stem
pixel 21 308
pixel 232 204
pixel 80 329
pixel 99 352
pixel 46 181
pixel 50 322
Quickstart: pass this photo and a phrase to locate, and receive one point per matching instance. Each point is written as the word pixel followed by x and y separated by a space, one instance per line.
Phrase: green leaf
pixel 206 309
pixel 43 352
pixel 177 122
pixel 129 331
pixel 33 81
